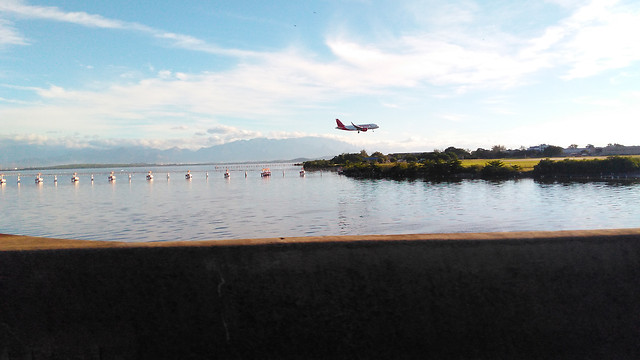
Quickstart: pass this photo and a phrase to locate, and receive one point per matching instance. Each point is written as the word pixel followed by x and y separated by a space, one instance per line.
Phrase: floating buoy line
pixel 111 178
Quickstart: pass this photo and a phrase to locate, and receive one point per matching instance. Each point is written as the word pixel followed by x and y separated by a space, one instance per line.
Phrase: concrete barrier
pixel 557 295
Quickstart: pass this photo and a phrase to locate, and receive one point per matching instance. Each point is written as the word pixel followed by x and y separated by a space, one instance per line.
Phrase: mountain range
pixel 17 154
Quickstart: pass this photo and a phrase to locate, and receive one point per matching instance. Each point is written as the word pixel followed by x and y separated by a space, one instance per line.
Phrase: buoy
pixel 168 176
pixel 55 178
pixel 129 177
pixel 91 177
pixel 18 179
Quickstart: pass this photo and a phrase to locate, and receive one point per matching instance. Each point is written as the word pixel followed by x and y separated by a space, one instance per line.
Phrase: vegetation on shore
pixel 447 165
pixel 611 166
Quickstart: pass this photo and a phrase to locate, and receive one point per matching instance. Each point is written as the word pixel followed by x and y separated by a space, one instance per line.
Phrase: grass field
pixel 528 164
pixel 524 164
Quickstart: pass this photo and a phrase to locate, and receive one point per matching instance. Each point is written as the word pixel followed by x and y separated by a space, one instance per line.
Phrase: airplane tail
pixel 340 124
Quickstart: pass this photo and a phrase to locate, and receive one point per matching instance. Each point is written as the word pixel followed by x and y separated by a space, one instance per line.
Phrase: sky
pixel 431 74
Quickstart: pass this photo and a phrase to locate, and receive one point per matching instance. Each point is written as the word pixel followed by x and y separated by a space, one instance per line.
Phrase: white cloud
pixel 221 129
pixel 164 74
pixel 597 37
pixel 19 8
pixel 53 13
pixel 9 35
pixel 436 59
pixel 54 92
pixel 607 45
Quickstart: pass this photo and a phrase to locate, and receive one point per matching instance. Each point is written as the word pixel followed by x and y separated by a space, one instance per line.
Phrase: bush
pixel 596 167
pixel 496 168
pixel 440 168
pixel 316 164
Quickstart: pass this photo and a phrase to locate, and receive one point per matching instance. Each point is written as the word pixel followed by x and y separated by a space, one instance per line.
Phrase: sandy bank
pixel 564 295
pixel 10 242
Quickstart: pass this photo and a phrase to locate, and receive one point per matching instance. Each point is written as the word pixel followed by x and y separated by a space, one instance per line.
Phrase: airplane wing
pixel 359 128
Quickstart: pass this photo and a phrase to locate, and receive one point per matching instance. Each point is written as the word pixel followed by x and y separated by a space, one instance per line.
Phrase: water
pixel 285 205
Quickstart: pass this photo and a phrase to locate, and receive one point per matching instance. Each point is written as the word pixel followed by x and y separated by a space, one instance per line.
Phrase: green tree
pixel 410 158
pixel 460 153
pixel 381 158
pixel 343 158
pixel 496 168
pixel 552 151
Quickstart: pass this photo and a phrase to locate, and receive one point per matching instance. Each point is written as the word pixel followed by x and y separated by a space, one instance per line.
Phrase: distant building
pixel 540 147
pixel 609 150
pixel 617 149
pixel 576 152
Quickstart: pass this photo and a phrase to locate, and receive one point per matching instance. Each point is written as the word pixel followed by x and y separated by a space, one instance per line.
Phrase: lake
pixel 286 204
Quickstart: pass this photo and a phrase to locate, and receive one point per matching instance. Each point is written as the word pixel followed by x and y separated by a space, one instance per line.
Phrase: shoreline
pixel 9 242
pixel 451 168
pixel 513 176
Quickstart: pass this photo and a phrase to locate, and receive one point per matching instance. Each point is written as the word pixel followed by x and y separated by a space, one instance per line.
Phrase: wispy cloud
pixel 53 13
pixel 600 38
pixel 9 35
pixel 595 38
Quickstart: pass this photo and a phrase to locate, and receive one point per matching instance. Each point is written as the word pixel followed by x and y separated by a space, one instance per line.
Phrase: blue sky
pixel 431 74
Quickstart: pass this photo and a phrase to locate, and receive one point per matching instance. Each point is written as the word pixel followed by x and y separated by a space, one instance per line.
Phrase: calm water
pixel 321 203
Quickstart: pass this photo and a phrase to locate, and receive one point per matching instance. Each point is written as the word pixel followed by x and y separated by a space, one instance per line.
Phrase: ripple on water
pixel 289 206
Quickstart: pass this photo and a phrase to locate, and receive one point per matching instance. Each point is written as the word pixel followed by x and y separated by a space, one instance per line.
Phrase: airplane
pixel 354 127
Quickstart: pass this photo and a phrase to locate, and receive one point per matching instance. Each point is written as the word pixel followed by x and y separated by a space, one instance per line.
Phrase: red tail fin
pixel 340 124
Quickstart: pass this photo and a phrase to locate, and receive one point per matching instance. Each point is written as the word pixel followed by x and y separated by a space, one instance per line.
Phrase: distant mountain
pixel 20 154
pixel 270 149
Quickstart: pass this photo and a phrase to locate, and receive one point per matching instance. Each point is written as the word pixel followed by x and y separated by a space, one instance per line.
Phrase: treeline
pixel 496 152
pixel 447 165
pixel 431 169
pixel 346 159
pixel 613 165
pixel 437 165
pixel 450 153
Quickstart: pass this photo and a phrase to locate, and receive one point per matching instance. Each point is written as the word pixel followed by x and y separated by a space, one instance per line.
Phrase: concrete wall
pixel 573 295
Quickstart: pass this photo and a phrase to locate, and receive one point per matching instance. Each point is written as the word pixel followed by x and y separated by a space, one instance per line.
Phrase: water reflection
pixel 214 207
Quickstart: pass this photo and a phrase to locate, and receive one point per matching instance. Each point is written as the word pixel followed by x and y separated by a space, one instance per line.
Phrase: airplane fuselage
pixel 354 127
